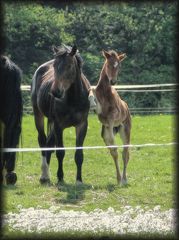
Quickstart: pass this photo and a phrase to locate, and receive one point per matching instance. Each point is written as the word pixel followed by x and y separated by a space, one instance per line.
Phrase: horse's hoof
pixel 78 182
pixel 60 184
pixel 11 178
pixel 44 181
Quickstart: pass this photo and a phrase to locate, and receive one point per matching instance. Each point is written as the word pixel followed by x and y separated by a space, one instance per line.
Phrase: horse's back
pixel 10 73
pixel 10 92
pixel 38 79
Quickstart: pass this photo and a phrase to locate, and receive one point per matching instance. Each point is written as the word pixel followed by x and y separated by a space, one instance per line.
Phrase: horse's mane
pixel 5 62
pixel 67 49
pixel 49 74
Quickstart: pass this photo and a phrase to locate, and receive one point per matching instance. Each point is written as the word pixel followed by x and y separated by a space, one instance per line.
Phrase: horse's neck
pixel 77 90
pixel 103 82
pixel 105 94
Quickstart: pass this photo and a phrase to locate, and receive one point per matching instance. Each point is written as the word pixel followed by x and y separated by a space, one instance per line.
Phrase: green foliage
pixel 145 31
pixel 92 62
pixel 30 32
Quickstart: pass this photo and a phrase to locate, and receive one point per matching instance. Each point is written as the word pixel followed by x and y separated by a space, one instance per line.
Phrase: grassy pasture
pixel 151 170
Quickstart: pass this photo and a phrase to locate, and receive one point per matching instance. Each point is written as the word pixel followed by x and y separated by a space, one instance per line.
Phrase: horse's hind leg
pixel 11 176
pixel 11 139
pixel 125 136
pixel 39 122
pixel 108 137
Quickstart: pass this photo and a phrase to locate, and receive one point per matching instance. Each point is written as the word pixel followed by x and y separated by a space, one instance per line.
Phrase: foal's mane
pixel 113 53
pixel 49 75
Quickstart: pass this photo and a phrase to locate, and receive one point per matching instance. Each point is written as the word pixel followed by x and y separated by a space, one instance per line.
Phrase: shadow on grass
pixel 111 187
pixel 13 188
pixel 9 187
pixel 75 193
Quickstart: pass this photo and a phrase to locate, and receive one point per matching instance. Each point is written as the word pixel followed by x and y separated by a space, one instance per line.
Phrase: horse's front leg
pixel 50 142
pixel 39 123
pixel 81 131
pixel 108 137
pixel 59 153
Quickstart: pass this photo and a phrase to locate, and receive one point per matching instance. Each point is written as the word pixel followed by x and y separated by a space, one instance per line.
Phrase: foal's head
pixel 112 64
pixel 66 66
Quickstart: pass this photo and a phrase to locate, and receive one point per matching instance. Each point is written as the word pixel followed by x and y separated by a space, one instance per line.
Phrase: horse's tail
pixel 49 127
pixel 50 133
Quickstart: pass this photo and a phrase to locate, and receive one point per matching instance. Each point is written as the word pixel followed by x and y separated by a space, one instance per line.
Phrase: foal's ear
pixel 73 50
pixel 121 56
pixel 106 54
pixel 54 49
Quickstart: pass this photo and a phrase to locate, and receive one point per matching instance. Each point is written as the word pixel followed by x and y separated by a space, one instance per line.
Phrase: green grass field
pixel 151 170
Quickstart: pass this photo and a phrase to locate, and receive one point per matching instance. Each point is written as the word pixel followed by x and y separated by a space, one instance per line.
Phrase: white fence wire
pixel 118 87
pixel 88 147
pixel 121 88
pixel 166 87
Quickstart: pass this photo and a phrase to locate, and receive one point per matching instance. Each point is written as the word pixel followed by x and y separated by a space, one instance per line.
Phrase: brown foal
pixel 112 111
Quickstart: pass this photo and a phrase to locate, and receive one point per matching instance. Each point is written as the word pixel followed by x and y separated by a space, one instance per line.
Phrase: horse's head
pixel 113 64
pixel 66 65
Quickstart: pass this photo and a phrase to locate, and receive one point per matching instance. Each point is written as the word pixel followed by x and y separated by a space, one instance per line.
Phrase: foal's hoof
pixel 11 178
pixel 44 181
pixel 123 183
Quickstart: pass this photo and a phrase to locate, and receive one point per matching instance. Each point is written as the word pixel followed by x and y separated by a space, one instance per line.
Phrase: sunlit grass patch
pixel 150 170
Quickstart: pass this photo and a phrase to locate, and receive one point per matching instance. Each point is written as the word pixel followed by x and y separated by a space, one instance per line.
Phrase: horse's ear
pixel 73 50
pixel 54 49
pixel 106 54
pixel 121 56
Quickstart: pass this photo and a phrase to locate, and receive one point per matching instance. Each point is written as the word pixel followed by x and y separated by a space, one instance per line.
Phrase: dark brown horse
pixel 60 92
pixel 112 111
pixel 10 115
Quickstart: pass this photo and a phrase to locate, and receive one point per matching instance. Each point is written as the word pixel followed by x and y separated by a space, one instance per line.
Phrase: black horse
pixel 10 115
pixel 60 92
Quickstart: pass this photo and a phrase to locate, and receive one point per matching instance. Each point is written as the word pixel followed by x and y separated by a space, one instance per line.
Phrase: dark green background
pixel 145 31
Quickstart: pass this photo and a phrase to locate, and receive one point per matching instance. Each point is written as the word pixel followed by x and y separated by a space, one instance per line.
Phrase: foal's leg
pixel 39 122
pixel 125 136
pixel 81 131
pixel 59 153
pixel 108 137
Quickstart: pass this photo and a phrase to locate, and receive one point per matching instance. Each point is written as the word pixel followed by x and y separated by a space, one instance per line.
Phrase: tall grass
pixel 151 171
